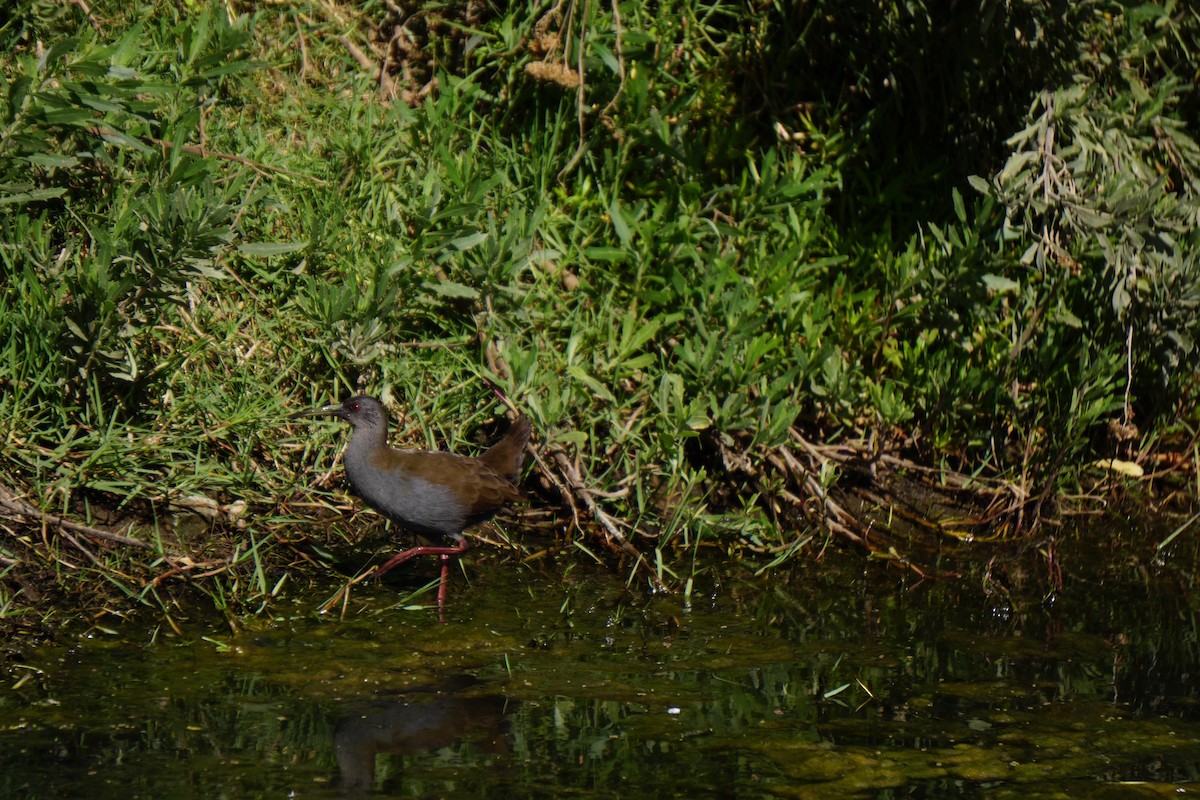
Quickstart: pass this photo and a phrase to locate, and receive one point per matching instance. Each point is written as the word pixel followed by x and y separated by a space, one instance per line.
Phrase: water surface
pixel 843 678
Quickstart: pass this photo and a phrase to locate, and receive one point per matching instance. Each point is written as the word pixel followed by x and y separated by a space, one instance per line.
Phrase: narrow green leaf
pixel 467 242
pixel 620 223
pixel 33 196
pixel 52 160
pixel 267 249
pixel 605 253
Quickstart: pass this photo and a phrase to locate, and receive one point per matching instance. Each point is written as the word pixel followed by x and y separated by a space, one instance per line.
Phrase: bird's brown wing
pixel 485 491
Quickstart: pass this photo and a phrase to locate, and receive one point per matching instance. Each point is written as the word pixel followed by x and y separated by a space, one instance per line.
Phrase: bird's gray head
pixel 360 411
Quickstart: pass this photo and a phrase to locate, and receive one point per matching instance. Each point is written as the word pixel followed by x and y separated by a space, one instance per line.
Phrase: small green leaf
pixel 577 438
pixel 452 289
pixel 598 388
pixel 117 72
pixel 1066 317
pixel 998 283
pixel 1016 163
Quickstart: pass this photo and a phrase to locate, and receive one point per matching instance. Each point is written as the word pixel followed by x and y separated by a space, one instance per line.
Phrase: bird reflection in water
pixel 420 720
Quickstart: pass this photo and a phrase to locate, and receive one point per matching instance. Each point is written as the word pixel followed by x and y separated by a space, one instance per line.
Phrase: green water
pixel 842 679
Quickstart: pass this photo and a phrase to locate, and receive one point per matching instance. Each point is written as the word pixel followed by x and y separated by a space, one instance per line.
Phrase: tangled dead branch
pixel 875 499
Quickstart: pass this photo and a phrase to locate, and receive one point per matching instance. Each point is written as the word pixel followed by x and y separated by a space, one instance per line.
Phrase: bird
pixel 433 493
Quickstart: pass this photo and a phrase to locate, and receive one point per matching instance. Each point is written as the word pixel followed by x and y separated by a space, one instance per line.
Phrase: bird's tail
pixel 507 456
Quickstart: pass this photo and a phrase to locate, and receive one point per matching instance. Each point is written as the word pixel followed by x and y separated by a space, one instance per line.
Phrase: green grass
pixel 211 223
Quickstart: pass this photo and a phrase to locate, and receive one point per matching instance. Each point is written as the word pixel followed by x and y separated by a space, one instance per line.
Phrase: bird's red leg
pixel 441 596
pixel 400 558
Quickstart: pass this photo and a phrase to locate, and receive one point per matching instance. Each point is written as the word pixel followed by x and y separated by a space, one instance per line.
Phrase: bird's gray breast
pixel 417 504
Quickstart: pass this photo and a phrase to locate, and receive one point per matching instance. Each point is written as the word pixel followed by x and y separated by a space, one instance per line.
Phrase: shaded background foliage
pixel 908 97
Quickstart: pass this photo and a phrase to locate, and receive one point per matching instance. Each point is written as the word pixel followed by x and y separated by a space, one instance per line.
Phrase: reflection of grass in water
pixel 1090 743
pixel 597 690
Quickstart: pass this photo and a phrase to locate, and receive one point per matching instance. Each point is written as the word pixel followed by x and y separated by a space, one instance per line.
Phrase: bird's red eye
pixel 355 407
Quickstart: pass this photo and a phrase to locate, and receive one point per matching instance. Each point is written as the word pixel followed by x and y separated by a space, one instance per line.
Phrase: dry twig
pixel 17 509
pixel 575 481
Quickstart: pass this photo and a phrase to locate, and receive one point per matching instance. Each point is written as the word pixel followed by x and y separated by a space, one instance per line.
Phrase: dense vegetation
pixel 747 266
